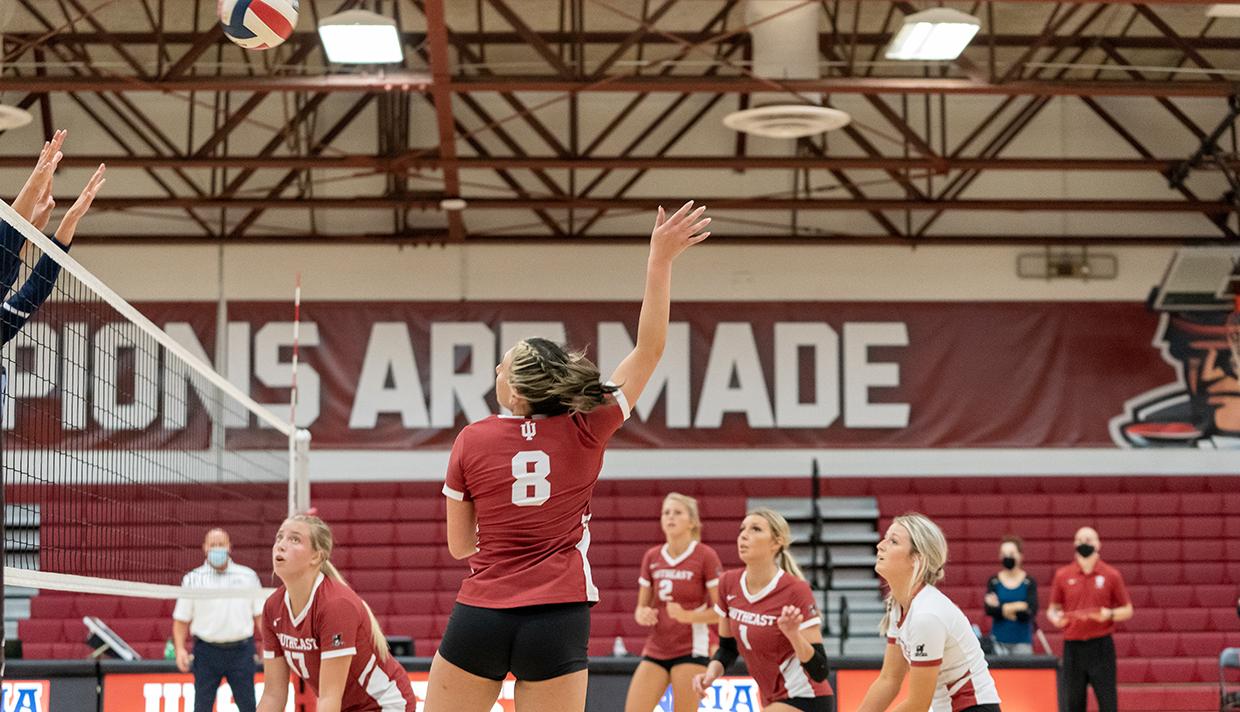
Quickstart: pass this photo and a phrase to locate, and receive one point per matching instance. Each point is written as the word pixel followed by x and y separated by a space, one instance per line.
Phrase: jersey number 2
pixel 531 468
pixel 665 590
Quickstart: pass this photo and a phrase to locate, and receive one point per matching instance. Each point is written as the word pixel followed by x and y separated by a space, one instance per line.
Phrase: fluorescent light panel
pixel 1224 10
pixel 360 37
pixel 940 33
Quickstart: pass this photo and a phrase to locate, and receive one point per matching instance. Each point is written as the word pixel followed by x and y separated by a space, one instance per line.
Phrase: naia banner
pixel 404 375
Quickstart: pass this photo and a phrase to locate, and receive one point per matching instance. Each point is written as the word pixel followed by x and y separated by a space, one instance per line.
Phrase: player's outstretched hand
pixel 673 234
pixel 38 187
pixel 68 224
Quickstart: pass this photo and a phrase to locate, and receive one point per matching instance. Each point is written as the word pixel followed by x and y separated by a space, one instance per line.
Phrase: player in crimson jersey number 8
pixel 677 595
pixel 518 507
pixel 316 626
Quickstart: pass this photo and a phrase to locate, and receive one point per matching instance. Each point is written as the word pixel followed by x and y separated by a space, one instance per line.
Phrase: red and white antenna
pixel 296 341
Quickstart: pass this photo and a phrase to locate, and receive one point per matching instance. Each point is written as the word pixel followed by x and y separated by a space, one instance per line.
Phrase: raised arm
pixel 672 235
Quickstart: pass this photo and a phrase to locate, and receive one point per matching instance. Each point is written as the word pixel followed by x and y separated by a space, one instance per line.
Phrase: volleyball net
pixel 121 444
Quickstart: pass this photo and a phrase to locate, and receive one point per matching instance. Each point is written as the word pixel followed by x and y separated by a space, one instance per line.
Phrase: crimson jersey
pixel 530 480
pixel 687 580
pixel 752 619
pixel 334 624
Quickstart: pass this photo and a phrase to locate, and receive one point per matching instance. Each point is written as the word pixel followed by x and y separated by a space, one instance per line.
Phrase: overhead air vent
pixel 785 46
pixel 787 120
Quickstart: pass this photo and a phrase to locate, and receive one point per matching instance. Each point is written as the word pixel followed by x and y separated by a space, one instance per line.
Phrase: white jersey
pixel 935 632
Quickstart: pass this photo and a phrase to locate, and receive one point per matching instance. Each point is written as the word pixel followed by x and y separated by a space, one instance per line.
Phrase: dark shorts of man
pixel 532 642
pixel 233 662
pixel 1090 663
pixel 982 708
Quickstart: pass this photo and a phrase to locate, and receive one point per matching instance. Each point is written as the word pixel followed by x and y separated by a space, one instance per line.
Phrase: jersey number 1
pixel 531 468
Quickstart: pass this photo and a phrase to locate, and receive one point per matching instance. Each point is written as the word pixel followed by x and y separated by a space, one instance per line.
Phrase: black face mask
pixel 1085 550
pixel 1009 562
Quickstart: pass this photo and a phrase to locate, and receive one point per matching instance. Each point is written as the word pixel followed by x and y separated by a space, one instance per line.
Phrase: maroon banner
pixel 400 375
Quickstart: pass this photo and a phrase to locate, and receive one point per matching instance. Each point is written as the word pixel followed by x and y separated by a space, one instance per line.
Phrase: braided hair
pixel 554 381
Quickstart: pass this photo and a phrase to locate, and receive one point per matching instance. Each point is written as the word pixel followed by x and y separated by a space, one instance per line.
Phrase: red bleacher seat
pixel 1159 574
pixel 1146 621
pixel 1160 504
pixel 1212 595
pixel 1073 505
pixel 1160 550
pixel 1200 644
pixel 1132 669
pixel 1029 528
pixel 1148 645
pixel 897 504
pixel 1171 670
pixel 1203 550
pixel 942 505
pixel 414 626
pixel 1187 619
pixel 1193 503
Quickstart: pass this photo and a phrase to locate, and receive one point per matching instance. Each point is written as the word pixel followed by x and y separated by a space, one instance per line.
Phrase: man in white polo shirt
pixel 222 628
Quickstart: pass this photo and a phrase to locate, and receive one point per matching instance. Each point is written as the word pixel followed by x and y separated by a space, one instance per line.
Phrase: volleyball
pixel 258 24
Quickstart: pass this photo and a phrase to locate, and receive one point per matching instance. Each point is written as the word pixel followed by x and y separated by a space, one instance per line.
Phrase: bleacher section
pixel 1175 539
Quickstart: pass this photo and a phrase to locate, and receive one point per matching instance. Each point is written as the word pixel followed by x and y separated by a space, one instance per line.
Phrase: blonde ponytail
pixel 789 564
pixel 321 540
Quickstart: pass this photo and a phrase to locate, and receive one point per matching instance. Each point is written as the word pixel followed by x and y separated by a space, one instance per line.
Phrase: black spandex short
pixel 821 703
pixel 682 660
pixel 533 642
pixel 991 707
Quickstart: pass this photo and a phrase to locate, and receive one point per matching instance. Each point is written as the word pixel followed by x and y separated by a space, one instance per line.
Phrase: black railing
pixel 843 622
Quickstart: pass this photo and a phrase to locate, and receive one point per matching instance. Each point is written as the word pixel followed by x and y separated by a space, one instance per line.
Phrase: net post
pixel 299 472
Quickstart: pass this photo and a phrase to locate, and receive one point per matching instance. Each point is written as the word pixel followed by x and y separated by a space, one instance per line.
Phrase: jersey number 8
pixel 531 468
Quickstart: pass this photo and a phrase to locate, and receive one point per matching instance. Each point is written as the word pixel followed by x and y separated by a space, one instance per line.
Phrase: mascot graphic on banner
pixel 1196 303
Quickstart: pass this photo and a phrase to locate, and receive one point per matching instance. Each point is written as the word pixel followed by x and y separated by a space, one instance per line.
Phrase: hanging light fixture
pixel 360 37
pixel 1224 10
pixel 940 33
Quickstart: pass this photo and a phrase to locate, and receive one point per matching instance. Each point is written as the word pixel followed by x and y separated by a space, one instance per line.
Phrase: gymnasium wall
pixel 548 272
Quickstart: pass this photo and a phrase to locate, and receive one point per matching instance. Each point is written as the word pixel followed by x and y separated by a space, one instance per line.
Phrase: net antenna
pixel 299 441
pixel 1233 319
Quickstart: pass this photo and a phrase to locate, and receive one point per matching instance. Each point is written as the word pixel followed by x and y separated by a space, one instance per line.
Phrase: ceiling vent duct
pixel 785 46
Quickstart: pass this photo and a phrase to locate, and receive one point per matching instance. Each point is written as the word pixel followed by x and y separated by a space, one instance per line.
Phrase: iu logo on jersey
pixel 528 430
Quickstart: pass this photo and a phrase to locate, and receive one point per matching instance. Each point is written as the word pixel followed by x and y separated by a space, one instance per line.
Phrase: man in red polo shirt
pixel 1087 599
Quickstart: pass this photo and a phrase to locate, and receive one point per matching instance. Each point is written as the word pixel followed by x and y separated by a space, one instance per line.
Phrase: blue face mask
pixel 217 557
